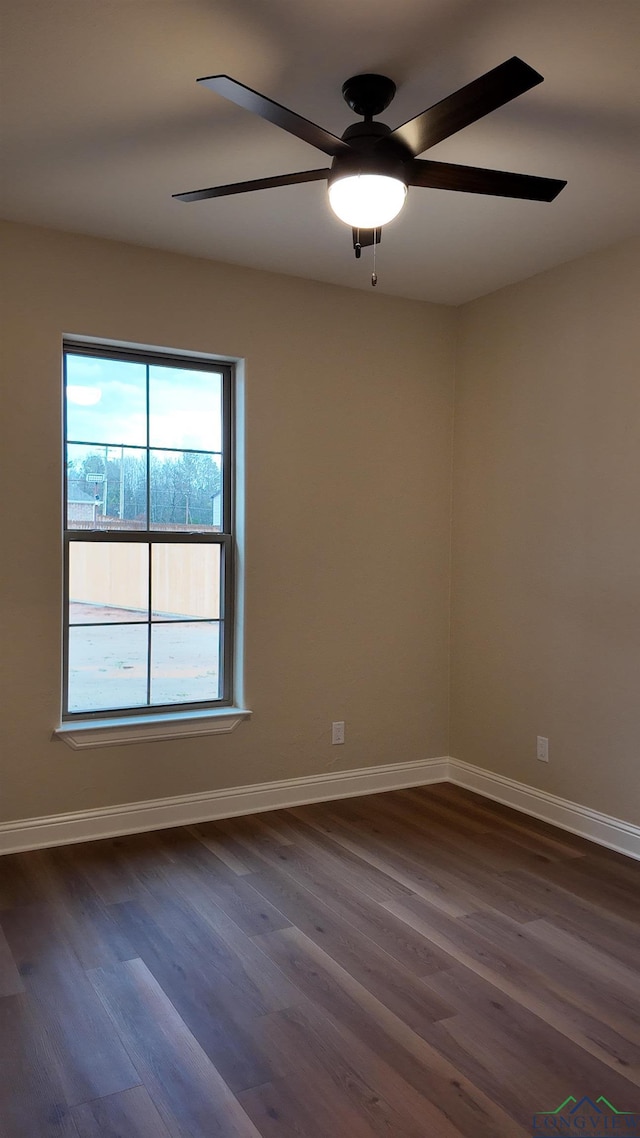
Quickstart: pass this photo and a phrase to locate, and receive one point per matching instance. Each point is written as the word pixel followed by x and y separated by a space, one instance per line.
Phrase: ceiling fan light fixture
pixel 373 164
pixel 367 201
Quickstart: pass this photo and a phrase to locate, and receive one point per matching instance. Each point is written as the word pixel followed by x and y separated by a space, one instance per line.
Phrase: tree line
pixel 183 490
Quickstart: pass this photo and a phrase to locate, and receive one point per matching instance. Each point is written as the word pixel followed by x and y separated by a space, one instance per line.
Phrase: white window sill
pixel 82 734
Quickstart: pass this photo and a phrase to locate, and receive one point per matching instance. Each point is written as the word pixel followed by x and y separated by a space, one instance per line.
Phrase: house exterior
pixel 81 505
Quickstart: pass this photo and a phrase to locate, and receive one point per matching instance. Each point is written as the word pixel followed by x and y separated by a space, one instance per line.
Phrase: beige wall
pixel 348 431
pixel 349 413
pixel 546 580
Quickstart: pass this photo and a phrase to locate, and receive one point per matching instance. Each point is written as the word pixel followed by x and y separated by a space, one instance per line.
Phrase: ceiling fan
pixel 373 165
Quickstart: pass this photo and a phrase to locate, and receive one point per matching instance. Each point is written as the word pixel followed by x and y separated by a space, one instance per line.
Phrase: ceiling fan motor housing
pixel 372 151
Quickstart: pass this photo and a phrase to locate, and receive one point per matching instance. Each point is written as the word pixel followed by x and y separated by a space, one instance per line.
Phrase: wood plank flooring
pixel 420 963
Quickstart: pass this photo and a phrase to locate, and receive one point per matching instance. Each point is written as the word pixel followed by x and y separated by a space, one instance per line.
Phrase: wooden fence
pixel 185 578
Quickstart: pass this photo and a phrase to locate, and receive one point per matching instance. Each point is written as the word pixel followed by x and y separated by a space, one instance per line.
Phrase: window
pixel 148 537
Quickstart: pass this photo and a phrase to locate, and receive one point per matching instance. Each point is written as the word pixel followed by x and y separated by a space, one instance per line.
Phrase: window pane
pixel 107 666
pixel 185 409
pixel 185 662
pixel 106 401
pixel 108 582
pixel 106 487
pixel 186 491
pixel 144 442
pixel 185 581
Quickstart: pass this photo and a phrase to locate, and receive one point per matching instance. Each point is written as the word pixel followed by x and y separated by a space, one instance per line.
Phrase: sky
pixel 106 403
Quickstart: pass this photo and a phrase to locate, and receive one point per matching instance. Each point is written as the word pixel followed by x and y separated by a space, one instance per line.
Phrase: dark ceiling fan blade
pixel 475 180
pixel 257 184
pixel 281 116
pixel 467 105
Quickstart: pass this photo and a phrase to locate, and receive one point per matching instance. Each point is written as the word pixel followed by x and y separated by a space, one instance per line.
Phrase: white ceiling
pixel 103 121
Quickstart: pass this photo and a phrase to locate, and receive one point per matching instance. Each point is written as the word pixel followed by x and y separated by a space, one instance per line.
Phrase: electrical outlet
pixel 337 732
pixel 542 751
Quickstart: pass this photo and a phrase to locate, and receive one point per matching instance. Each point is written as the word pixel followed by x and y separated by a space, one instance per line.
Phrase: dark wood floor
pixel 409 964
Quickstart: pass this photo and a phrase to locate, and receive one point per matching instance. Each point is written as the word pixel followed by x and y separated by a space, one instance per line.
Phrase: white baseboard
pixel 187 809
pixel 582 820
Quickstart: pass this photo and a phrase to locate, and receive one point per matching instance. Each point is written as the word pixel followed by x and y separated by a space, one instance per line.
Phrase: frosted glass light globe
pixel 367 201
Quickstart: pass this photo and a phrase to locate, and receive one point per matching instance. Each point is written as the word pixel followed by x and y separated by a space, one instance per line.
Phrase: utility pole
pixel 106 482
pixel 121 482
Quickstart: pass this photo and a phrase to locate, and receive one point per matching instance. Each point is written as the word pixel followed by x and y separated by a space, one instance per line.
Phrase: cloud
pixel 107 405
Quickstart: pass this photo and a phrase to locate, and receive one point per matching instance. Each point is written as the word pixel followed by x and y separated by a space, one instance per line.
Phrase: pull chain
pixel 374 275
